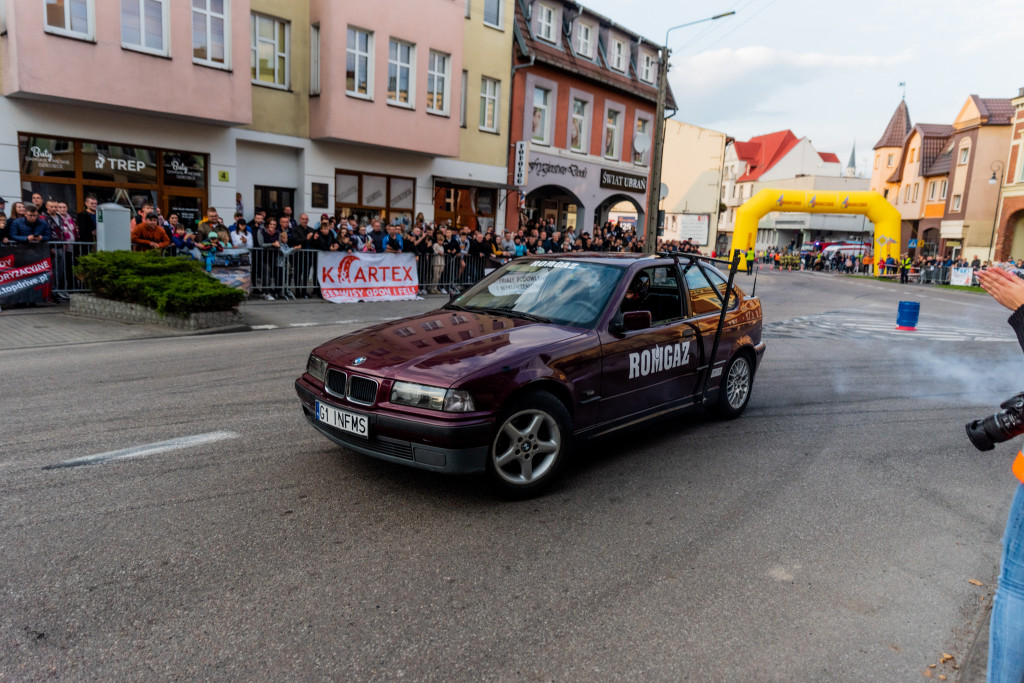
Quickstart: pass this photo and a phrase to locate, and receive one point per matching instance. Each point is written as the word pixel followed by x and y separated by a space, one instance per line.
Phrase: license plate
pixel 342 419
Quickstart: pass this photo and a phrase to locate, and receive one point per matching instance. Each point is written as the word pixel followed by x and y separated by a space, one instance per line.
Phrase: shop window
pixel 46 157
pixel 269 51
pixel 210 36
pixel 144 25
pixel 71 18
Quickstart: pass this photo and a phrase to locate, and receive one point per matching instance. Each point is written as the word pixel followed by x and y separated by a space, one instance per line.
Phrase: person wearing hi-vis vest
pixel 905 264
pixel 1006 633
pixel 750 256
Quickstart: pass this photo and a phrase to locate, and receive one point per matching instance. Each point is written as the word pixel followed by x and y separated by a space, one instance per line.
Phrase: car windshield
pixel 562 292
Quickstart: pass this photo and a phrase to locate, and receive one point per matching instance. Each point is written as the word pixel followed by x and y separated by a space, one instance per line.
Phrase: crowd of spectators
pixel 446 254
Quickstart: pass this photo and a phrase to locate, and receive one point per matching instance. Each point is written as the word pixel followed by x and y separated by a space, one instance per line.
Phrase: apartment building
pixel 475 195
pixel 938 177
pixel 1009 177
pixel 127 101
pixel 346 107
pixel 584 94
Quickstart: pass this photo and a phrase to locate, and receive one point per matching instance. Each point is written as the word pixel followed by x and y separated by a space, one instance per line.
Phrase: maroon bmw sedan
pixel 543 352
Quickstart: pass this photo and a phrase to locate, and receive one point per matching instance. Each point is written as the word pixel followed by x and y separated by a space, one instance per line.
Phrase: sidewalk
pixel 52 324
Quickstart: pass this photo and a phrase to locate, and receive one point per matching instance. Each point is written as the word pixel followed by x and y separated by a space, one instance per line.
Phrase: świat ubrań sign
pixel 615 180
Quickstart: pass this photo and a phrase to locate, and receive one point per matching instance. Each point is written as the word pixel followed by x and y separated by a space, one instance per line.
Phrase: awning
pixel 469 182
pixel 951 230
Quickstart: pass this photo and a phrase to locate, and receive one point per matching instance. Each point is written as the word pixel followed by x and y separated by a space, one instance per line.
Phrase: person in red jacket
pixel 149 235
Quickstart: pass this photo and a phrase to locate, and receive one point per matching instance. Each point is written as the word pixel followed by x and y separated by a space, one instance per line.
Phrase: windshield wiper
pixel 453 307
pixel 507 312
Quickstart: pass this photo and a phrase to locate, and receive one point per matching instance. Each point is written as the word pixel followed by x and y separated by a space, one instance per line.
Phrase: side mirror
pixel 631 321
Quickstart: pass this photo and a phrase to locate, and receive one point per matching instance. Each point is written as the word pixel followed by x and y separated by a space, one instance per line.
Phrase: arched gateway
pixel 871 204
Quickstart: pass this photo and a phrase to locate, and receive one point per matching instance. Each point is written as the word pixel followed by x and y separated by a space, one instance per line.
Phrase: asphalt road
pixel 830 533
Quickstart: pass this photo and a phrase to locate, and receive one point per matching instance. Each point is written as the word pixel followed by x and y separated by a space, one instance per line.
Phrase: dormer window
pixel 617 58
pixel 546 22
pixel 585 40
pixel 647 69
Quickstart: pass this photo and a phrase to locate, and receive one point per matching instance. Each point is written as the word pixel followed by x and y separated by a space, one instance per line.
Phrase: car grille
pixel 362 390
pixel 335 383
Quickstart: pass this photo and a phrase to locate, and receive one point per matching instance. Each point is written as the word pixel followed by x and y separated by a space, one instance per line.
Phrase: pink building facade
pixel 183 105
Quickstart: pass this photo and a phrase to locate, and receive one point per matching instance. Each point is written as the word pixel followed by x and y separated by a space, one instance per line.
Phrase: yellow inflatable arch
pixel 871 204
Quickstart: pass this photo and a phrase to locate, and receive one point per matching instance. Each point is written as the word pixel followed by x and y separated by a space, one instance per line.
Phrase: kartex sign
pixel 347 277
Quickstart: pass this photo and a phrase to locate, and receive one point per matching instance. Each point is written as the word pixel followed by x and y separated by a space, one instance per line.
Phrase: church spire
pixel 851 165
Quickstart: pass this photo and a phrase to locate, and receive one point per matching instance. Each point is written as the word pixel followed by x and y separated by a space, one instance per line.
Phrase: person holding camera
pixel 1006 636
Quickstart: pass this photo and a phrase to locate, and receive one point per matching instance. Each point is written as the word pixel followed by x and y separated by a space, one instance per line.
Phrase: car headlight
pixel 431 398
pixel 317 367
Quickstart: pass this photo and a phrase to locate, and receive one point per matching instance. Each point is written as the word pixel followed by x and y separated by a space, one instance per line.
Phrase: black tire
pixel 734 391
pixel 531 442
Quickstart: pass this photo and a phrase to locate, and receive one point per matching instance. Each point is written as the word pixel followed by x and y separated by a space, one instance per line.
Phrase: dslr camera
pixel 1003 426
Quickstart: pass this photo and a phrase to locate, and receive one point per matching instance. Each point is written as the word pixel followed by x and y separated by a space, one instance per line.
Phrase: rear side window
pixel 703 299
pixel 719 282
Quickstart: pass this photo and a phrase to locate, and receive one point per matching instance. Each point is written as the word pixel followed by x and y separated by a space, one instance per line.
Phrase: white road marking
pixel 150 449
pixel 263 327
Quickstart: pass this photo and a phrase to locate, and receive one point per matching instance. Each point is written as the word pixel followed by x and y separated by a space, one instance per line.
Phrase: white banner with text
pixel 347 277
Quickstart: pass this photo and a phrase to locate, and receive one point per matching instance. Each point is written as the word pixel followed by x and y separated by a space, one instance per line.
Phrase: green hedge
pixel 170 285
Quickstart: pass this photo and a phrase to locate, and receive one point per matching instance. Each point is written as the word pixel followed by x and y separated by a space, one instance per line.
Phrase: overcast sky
pixel 827 72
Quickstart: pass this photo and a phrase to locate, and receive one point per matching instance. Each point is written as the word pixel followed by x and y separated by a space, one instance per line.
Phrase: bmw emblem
pixel 359 361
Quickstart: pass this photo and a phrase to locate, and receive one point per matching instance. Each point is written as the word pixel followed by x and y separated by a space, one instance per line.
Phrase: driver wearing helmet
pixel 636 295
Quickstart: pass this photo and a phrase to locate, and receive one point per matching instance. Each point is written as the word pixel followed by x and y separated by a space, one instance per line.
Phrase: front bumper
pixel 453 449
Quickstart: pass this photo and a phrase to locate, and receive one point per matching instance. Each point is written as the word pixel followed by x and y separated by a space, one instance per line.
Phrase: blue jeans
pixel 1006 637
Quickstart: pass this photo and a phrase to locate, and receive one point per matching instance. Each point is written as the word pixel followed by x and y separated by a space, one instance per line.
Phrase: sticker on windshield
pixel 658 359
pixel 566 265
pixel 513 283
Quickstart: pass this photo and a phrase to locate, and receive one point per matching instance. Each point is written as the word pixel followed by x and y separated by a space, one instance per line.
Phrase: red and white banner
pixel 346 277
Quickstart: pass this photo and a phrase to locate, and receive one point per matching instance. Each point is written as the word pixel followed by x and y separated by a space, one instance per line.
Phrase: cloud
pixel 724 85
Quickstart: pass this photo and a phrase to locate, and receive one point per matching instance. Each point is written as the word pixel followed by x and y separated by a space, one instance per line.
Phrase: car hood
pixel 440 347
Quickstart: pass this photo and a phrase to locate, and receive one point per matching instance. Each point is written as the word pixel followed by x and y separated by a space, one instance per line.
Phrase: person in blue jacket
pixel 30 229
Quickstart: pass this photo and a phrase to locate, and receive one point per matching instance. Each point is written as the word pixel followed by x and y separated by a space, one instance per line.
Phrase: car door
pixel 643 370
pixel 704 300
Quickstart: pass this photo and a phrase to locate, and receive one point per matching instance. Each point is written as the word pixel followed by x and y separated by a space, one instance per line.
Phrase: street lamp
pixel 654 187
pixel 999 195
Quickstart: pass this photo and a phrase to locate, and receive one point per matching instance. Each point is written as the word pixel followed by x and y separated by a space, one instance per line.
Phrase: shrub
pixel 171 285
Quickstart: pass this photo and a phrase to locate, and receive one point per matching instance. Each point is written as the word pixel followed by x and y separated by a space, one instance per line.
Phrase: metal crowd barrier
pixel 288 275
pixel 63 259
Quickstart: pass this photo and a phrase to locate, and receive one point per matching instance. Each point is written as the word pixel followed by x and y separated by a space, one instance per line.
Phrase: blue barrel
pixel 907 314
